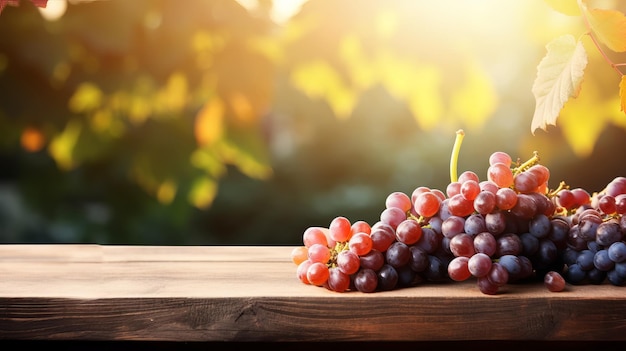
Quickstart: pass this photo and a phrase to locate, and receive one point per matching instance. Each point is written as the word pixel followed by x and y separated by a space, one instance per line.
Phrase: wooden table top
pixel 251 293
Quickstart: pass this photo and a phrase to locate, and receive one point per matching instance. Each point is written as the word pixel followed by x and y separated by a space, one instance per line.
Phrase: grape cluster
pixel 508 228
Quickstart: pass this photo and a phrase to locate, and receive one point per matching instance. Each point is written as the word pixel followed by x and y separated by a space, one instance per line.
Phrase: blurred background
pixel 224 122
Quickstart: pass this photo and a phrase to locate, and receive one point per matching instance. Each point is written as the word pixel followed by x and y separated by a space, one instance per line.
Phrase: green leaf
pixel 559 76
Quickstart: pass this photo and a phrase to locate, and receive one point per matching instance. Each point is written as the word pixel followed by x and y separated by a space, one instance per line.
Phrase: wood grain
pixel 243 293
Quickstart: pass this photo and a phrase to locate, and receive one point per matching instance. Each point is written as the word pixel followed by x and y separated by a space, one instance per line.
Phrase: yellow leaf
pixel 559 76
pixel 209 126
pixel 203 192
pixel 87 97
pixel 583 119
pixel 62 146
pixel 476 100
pixel 425 98
pixel 609 26
pixel 318 79
pixel 567 7
pixel 174 95
pixel 622 93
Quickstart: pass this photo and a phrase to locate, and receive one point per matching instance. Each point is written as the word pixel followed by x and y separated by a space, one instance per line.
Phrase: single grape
pixel 485 243
pixel 486 286
pixel 382 237
pixel 452 226
pixel 602 261
pixel 317 273
pixel 500 174
pixel 373 260
pixel 338 281
pixel 508 244
pixel 513 265
pixel 470 189
pixel 458 269
pixel 437 269
pixel 575 275
pixel 392 216
pixel 430 240
pixel 540 226
pixel 584 259
pixel 418 260
pixel 398 254
pixel 301 271
pixel 479 265
pixel 360 226
pixel 319 253
pixel 366 280
pixel 475 224
pixel 500 157
pixel 617 252
pixel 606 204
pixel 506 198
pixel 608 233
pixel 530 244
pixel 340 229
pixel 468 175
pixel 616 187
pixel 525 208
pixel 387 278
pixel 348 262
pixel 427 204
pixel 400 200
pixel 615 279
pixel 525 182
pixel 453 188
pixel 460 206
pixel 495 222
pixel 360 244
pixel 314 235
pixel 462 244
pixel 554 281
pixel 299 254
pixel 566 199
pixel 489 186
pixel 498 275
pixel 485 202
pixel 408 231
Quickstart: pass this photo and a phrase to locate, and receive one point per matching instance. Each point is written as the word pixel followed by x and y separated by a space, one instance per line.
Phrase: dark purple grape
pixel 373 260
pixel 398 254
pixel 419 259
pixel 608 233
pixel 366 280
pixel 430 240
pixel 540 226
pixel 508 244
pixel 475 224
pixel 387 278
pixel 585 260
pixel 617 252
pixel 495 222
pixel 602 261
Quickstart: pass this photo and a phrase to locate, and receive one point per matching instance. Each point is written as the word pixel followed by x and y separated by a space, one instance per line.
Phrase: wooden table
pixel 242 293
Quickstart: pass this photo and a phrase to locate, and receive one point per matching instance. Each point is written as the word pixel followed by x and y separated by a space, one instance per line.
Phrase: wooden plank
pixel 230 293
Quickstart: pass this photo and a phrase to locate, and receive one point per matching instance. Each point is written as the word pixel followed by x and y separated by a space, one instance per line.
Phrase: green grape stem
pixel 526 165
pixel 454 158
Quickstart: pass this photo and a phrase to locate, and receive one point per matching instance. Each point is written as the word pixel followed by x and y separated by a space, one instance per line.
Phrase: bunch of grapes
pixel 507 228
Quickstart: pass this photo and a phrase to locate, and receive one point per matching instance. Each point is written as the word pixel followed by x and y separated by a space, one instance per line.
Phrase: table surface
pixel 251 293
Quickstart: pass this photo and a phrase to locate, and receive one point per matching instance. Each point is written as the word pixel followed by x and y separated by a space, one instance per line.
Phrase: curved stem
pixel 454 158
